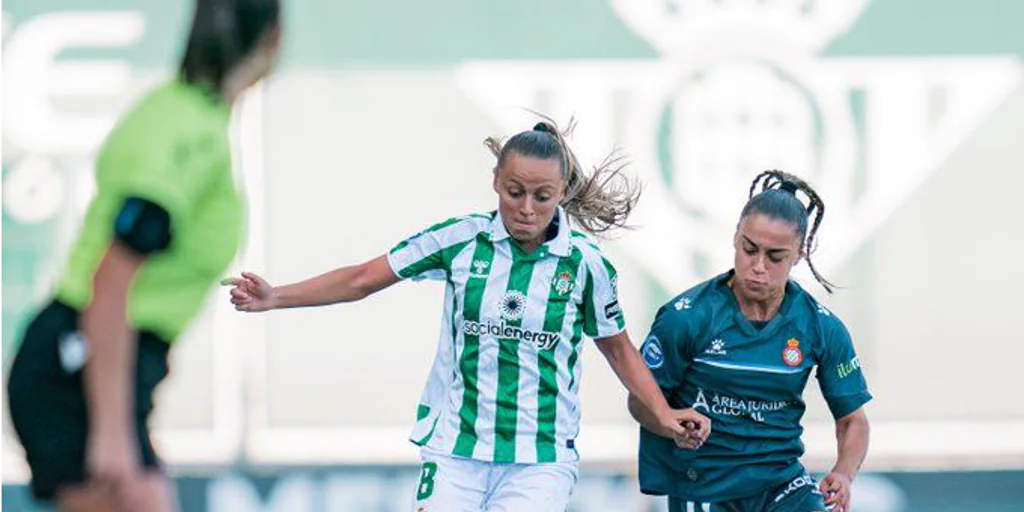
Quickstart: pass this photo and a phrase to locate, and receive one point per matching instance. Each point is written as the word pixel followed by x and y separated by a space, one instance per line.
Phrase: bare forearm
pixel 646 402
pixel 346 284
pixel 644 416
pixel 329 288
pixel 852 438
pixel 637 378
pixel 109 370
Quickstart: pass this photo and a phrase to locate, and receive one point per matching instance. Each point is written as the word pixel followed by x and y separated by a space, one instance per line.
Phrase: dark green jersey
pixel 705 354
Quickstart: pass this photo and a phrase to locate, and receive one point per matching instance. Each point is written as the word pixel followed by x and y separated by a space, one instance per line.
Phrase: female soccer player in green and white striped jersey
pixel 500 412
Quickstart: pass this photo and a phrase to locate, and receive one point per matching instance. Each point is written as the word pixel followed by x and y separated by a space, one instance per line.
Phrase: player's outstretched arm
pixel 657 416
pixel 252 293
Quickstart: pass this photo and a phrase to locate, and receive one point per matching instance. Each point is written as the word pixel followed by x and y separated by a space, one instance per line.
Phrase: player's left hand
pixel 837 490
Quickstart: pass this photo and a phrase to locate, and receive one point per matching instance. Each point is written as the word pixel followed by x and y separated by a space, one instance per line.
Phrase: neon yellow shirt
pixel 172 149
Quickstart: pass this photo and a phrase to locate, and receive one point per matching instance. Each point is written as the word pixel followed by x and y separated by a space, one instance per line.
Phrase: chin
pixel 757 295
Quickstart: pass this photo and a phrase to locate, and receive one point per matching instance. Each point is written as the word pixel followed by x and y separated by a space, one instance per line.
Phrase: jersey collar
pixel 559 245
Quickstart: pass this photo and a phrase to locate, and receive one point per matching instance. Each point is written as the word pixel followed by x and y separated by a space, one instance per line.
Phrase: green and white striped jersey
pixel 504 385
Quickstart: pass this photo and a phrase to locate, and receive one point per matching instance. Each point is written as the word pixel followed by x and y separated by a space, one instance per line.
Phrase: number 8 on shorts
pixel 426 485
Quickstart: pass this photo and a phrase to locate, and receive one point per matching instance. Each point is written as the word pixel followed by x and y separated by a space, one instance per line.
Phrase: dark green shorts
pixel 798 495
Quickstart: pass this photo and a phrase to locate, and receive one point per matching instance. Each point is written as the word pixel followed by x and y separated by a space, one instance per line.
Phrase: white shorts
pixel 452 484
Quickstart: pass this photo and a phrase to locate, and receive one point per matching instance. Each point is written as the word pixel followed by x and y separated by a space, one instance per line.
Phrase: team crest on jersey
pixel 564 283
pixel 513 305
pixel 792 355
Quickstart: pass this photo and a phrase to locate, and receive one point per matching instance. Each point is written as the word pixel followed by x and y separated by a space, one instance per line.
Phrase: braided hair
pixel 777 199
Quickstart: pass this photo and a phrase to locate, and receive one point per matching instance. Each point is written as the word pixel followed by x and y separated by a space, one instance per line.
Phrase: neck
pixel 759 310
pixel 231 89
pixel 528 246
pixel 235 83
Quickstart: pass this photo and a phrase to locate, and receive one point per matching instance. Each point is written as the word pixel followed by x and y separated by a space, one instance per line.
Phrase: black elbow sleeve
pixel 143 225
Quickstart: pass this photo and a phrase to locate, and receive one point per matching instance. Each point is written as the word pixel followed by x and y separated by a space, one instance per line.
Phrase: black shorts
pixel 47 402
pixel 800 494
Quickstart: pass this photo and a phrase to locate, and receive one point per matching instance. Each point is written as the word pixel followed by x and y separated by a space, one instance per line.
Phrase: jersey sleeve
pixel 429 253
pixel 667 348
pixel 839 374
pixel 173 175
pixel 602 315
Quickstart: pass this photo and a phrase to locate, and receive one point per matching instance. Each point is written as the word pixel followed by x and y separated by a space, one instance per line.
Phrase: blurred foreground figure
pixel 163 227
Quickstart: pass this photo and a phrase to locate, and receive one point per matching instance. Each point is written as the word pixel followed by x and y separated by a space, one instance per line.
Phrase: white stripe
pixel 735 366
pixel 567 406
pixel 487 369
pixel 706 507
pixel 529 367
pixel 449 401
pixel 689 506
pixel 465 229
pixel 431 242
pixel 436 390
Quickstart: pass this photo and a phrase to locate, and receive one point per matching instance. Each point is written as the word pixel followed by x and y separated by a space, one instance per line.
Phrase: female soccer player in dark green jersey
pixel 163 226
pixel 740 348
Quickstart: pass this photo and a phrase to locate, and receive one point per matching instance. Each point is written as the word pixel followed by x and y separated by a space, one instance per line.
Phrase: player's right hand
pixel 113 466
pixel 693 428
pixel 251 293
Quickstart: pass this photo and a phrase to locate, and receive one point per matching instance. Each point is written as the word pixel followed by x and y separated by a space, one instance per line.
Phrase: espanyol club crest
pixel 564 283
pixel 792 355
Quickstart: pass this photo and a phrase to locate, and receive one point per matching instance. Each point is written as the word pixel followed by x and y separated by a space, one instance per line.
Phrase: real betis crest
pixel 564 283
pixel 742 86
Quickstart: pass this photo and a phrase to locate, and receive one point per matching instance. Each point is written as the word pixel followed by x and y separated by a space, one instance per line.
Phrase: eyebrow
pixel 772 250
pixel 543 188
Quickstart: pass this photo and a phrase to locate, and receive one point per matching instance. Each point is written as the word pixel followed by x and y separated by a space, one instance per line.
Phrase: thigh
pixel 157 492
pixel 47 402
pixel 798 495
pixel 534 487
pixel 47 405
pixel 153 492
pixel 450 484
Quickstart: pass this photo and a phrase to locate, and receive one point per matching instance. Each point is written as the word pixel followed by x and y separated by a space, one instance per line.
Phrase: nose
pixel 759 266
pixel 526 207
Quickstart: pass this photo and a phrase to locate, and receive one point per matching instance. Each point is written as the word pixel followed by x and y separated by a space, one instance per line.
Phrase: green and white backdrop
pixel 907 114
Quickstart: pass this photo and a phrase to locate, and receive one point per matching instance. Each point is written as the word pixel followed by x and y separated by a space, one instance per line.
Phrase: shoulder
pixel 591 253
pixel 585 244
pixel 174 123
pixel 452 230
pixel 469 223
pixel 692 309
pixel 818 318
